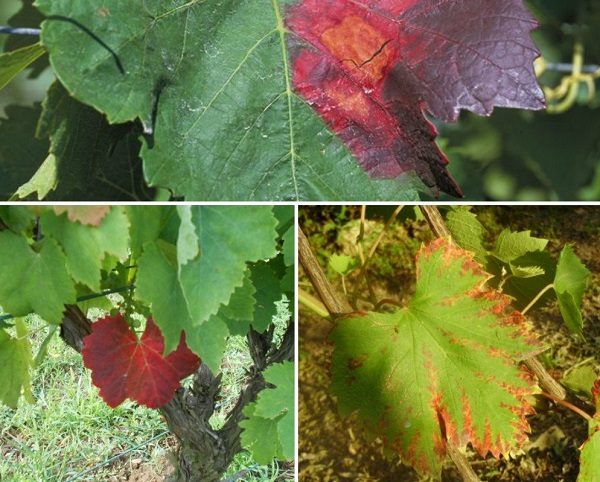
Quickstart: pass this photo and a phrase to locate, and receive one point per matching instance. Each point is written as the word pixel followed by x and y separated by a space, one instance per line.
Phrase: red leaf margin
pixel 124 367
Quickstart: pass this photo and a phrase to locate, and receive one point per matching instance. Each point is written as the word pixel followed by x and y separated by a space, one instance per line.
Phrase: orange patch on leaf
pixel 356 41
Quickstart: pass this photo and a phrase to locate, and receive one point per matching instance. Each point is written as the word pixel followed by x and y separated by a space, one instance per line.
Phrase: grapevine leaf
pixel 17 218
pixel 289 250
pixel 268 291
pixel 272 414
pixel 210 54
pixel 137 369
pixel 14 62
pixel 342 263
pixel 187 240
pixel 90 215
pixel 209 340
pixel 42 182
pixel 15 361
pixel 569 283
pixel 466 230
pixel 147 225
pixel 165 298
pixel 442 368
pixel 20 158
pixel 372 69
pixel 526 271
pixel 589 470
pixel 260 436
pixel 94 160
pixel 34 281
pixel 580 379
pixel 229 237
pixel 241 304
pixel 511 245
pixel 273 402
pixel 85 245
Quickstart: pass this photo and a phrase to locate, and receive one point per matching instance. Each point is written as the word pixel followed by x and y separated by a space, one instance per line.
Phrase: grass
pixel 69 433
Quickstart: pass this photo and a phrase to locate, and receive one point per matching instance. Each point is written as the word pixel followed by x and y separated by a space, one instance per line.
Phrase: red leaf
pixel 125 367
pixel 372 68
pixel 90 215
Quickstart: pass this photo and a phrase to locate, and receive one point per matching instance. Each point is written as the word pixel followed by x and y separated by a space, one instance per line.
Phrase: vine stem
pixel 568 405
pixel 337 305
pixel 537 298
pixel 365 261
pixel 19 31
pixel 549 384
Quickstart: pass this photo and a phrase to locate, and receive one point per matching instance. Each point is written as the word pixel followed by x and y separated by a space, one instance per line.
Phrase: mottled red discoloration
pixel 396 60
pixel 346 69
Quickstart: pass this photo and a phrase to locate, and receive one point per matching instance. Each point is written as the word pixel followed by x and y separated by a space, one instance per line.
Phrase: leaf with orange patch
pixel 125 367
pixel 443 368
pixel 234 98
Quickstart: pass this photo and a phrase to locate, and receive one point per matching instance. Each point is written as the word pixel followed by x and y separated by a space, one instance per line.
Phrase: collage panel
pixel 448 343
pixel 147 343
pixel 299 100
pixel 430 314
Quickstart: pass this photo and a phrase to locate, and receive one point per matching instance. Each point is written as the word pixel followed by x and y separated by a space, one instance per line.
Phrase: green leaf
pixel 449 355
pixel 466 230
pixel 589 470
pixel 209 341
pixel 569 283
pixel 34 281
pixel 272 414
pixel 260 436
pixel 267 284
pixel 43 181
pixel 17 218
pixel 273 402
pixel 14 62
pixel 526 271
pixel 229 237
pixel 187 241
pixel 571 275
pixel 148 224
pixel 511 245
pixel 158 285
pixel 93 160
pixel 20 152
pixel 15 361
pixel 241 133
pixel 342 264
pixel 289 250
pixel 86 246
pixel 242 302
pixel 581 379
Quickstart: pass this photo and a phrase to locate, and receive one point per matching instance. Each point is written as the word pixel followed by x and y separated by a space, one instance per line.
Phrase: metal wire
pixel 19 31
